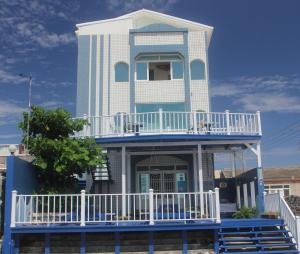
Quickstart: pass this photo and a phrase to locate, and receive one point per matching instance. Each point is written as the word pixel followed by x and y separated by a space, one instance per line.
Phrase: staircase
pixel 256 238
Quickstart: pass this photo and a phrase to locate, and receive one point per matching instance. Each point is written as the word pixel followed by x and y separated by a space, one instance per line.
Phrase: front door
pixel 162 182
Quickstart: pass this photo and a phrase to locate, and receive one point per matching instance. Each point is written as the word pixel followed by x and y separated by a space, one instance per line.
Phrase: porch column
pixel 195 172
pixel 200 177
pixel 260 181
pixel 123 181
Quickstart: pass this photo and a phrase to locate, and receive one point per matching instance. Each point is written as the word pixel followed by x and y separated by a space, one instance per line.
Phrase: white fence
pixel 275 203
pixel 97 208
pixel 121 124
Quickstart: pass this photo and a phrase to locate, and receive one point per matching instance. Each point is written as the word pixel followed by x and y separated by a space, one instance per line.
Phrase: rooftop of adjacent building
pixel 290 173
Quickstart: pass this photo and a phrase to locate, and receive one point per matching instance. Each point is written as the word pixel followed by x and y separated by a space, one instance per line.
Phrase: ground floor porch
pixel 192 237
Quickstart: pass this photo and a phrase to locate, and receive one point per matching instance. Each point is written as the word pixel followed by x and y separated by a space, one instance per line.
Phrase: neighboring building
pixel 143 86
pixel 283 178
pixel 275 179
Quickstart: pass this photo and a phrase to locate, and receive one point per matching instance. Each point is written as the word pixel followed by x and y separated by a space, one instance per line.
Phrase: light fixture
pixel 12 149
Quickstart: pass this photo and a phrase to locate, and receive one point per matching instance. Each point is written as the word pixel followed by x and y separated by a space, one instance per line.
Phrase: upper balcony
pixel 168 123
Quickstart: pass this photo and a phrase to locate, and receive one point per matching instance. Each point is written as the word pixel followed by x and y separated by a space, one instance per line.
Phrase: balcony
pixel 162 122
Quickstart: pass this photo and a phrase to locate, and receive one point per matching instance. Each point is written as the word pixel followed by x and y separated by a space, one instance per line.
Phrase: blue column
pixel 17 244
pixel 47 243
pixel 82 243
pixel 7 241
pixel 185 248
pixel 260 191
pixel 151 243
pixel 216 241
pixel 117 243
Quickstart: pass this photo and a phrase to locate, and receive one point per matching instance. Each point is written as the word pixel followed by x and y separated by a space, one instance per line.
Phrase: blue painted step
pixel 246 239
pixel 263 252
pixel 252 237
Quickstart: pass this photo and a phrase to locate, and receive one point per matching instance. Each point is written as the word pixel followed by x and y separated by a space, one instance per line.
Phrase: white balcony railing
pixel 85 208
pixel 275 203
pixel 162 122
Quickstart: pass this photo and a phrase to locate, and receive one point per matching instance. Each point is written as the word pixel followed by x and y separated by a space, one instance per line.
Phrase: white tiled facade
pixel 162 38
pixel 99 94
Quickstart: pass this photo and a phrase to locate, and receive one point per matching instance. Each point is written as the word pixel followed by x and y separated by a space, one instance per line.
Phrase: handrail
pixel 38 209
pixel 169 122
pixel 276 203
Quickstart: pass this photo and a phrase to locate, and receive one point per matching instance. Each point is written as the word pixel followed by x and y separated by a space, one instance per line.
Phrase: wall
pixel 99 94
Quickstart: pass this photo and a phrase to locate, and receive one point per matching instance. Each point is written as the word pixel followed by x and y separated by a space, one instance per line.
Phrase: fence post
pixel 195 121
pixel 151 208
pixel 13 208
pixel 161 126
pixel 211 204
pixel 227 122
pixel 82 208
pixel 218 216
pixel 122 123
pixel 85 128
pixel 259 123
pixel 298 232
pixel 280 196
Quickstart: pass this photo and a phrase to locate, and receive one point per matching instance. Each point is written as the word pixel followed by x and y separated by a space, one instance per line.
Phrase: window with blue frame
pixel 197 70
pixel 159 67
pixel 121 72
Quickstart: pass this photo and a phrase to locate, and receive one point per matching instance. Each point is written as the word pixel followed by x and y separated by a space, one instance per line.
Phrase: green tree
pixel 57 154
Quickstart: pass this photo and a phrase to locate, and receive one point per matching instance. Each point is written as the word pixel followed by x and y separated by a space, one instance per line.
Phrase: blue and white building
pixel 143 86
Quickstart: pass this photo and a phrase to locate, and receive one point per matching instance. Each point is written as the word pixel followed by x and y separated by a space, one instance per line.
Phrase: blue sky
pixel 254 59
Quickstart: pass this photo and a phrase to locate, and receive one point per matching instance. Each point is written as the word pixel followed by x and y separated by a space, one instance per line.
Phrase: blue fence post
pixel 82 242
pixel 151 242
pixel 117 243
pixel 47 243
pixel 185 248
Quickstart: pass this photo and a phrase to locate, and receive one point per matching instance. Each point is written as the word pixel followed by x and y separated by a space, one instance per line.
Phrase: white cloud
pixel 8 108
pixel 26 24
pixel 267 93
pixel 9 136
pixel 122 6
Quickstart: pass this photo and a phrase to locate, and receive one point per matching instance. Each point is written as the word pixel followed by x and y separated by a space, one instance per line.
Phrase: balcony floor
pixel 143 226
pixel 173 137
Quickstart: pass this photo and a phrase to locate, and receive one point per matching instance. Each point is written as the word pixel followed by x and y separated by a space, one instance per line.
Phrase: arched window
pixel 197 70
pixel 121 72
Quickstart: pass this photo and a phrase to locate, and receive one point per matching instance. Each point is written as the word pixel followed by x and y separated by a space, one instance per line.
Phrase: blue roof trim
pixel 158 27
pixel 173 137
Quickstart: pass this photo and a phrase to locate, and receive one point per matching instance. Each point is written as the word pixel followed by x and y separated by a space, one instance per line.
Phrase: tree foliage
pixel 58 155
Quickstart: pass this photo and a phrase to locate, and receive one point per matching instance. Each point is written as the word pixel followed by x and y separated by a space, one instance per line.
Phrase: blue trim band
pixel 173 137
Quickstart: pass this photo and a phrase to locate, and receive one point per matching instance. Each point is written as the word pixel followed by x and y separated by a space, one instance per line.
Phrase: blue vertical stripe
pixel 187 73
pixel 131 75
pixel 82 100
pixel 101 96
pixel 108 77
pixel 117 243
pixel 93 75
